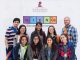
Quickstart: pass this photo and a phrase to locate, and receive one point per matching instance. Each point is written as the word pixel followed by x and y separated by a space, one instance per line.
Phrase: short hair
pixel 67 17
pixel 16 19
pixel 25 37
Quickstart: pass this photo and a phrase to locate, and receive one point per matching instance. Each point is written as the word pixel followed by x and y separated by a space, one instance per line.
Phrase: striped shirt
pixel 11 36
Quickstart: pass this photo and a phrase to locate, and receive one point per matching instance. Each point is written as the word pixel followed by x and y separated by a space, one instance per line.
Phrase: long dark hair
pixel 41 31
pixel 20 28
pixel 39 45
pixel 53 32
pixel 54 47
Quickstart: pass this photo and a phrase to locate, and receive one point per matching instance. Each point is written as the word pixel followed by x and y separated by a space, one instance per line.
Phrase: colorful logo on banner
pixel 42 19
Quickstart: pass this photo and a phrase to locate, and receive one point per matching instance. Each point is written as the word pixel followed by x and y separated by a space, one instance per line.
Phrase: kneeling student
pixel 22 50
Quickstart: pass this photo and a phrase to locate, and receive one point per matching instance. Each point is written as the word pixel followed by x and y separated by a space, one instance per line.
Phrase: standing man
pixel 10 38
pixel 72 36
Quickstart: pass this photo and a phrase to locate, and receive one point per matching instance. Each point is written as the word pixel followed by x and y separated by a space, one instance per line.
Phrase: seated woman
pixel 50 51
pixel 22 50
pixel 64 50
pixel 36 47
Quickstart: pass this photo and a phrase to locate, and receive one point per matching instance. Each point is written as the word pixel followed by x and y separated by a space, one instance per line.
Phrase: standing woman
pixel 21 32
pixel 50 51
pixel 40 32
pixel 52 32
pixel 36 47
pixel 22 50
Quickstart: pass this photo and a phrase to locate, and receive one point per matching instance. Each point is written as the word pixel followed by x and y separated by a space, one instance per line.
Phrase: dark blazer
pixel 16 55
pixel 44 54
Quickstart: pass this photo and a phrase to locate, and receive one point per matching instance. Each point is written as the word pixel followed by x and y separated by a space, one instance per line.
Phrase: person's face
pixel 49 41
pixel 63 39
pixel 51 30
pixel 23 41
pixel 66 21
pixel 15 23
pixel 22 30
pixel 36 40
pixel 38 27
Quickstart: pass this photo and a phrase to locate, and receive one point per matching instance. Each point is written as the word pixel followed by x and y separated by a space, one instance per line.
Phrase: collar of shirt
pixel 22 51
pixel 14 29
pixel 68 26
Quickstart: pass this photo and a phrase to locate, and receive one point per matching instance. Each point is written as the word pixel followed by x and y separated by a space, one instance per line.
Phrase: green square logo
pixel 46 20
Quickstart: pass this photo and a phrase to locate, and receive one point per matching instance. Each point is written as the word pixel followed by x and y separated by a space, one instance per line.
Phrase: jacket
pixel 16 55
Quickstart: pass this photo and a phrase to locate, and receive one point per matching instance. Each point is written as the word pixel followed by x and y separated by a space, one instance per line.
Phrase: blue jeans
pixel 11 55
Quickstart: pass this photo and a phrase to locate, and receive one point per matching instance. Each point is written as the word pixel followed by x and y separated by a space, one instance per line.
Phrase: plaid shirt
pixel 62 52
pixel 72 32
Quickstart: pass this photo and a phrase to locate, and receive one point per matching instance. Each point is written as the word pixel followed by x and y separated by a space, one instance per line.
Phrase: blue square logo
pixel 33 20
pixel 40 19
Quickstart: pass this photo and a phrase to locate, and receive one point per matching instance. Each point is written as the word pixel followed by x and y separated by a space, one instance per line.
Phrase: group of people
pixel 41 46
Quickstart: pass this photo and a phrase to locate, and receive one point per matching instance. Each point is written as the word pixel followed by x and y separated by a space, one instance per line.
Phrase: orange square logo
pixel 53 19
